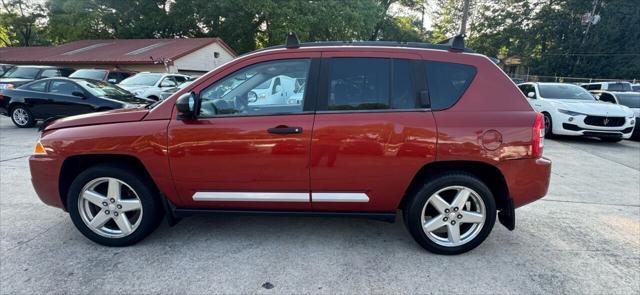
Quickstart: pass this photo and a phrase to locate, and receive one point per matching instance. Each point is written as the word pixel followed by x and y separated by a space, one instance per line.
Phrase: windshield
pixel 89 74
pixel 564 91
pixel 102 88
pixel 22 72
pixel 629 99
pixel 143 79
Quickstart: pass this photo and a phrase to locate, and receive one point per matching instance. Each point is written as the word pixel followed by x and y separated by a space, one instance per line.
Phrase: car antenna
pixel 292 40
pixel 455 43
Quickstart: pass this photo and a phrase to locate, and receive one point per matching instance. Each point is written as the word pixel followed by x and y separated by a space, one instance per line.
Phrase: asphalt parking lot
pixel 584 237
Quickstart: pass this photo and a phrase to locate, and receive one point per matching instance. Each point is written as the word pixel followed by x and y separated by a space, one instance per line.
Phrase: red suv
pixel 367 129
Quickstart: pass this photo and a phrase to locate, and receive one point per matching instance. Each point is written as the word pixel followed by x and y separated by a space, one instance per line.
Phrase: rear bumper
pixel 527 179
pixel 45 172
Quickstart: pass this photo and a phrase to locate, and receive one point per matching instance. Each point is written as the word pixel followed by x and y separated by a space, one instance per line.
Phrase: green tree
pixel 21 22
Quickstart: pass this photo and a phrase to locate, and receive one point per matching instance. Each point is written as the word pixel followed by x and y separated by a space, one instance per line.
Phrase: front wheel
pixel 113 206
pixel 451 214
pixel 22 117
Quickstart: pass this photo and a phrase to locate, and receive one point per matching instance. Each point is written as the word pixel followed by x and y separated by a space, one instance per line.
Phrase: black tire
pixel 412 211
pixel 151 206
pixel 548 131
pixel 611 139
pixel 30 120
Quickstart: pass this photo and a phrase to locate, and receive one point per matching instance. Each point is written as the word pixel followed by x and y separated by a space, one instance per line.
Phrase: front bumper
pixel 45 173
pixel 575 126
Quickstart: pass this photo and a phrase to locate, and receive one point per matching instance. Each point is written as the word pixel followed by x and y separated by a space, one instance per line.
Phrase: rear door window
pixel 370 84
pixel 359 83
pixel 447 82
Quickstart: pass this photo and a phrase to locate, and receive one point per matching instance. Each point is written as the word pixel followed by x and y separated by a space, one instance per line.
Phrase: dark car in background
pixel 20 75
pixel 61 97
pixel 4 68
pixel 113 77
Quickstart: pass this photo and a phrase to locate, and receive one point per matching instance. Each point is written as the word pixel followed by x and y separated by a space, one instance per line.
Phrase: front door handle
pixel 285 130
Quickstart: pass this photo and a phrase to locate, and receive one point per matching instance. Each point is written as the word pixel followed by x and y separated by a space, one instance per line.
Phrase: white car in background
pixel 273 91
pixel 150 85
pixel 571 110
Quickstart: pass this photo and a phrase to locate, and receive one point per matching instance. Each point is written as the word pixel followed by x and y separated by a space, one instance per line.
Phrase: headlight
pixel 7 86
pixel 571 113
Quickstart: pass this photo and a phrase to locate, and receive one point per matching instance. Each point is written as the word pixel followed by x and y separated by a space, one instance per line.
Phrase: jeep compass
pixel 435 132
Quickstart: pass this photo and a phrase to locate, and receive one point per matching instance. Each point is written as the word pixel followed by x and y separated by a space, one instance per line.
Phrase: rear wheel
pixel 112 206
pixel 548 126
pixel 22 117
pixel 451 214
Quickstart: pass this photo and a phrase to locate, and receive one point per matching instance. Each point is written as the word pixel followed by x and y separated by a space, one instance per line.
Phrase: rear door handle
pixel 285 130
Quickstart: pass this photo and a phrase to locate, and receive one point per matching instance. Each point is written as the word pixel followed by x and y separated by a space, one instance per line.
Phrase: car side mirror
pixel 79 94
pixel 186 105
pixel 531 95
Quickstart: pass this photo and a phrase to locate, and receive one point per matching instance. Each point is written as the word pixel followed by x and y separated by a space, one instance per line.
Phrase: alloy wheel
pixel 20 116
pixel 110 207
pixel 453 216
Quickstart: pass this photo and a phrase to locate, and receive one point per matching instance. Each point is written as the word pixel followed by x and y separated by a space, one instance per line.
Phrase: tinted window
pixel 619 87
pixel 447 82
pixel 631 100
pixel 37 86
pixel 114 77
pixel 180 79
pixel 606 97
pixel 526 89
pixel 63 87
pixel 636 87
pixel 22 72
pixel 592 87
pixel 239 94
pixel 564 91
pixel 403 96
pixel 50 73
pixel 359 84
pixel 89 74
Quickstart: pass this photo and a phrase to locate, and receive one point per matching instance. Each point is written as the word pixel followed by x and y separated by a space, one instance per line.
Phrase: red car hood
pixel 113 116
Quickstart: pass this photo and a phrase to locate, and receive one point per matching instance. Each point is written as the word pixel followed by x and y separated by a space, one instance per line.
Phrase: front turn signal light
pixel 39 149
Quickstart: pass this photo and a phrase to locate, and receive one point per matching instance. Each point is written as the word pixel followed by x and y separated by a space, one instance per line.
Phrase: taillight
pixel 537 136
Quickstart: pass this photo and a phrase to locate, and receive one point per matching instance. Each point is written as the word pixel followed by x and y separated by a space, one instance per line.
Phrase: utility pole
pixel 465 15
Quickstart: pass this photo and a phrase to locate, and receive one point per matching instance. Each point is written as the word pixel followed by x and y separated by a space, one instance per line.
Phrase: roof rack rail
pixel 454 44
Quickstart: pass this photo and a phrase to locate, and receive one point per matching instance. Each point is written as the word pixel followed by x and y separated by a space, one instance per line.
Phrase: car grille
pixel 604 121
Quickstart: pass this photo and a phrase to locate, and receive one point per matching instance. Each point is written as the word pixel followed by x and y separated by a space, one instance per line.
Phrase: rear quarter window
pixel 447 82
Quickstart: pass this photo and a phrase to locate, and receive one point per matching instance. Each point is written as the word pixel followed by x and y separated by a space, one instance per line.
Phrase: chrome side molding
pixel 339 197
pixel 251 197
pixel 336 197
